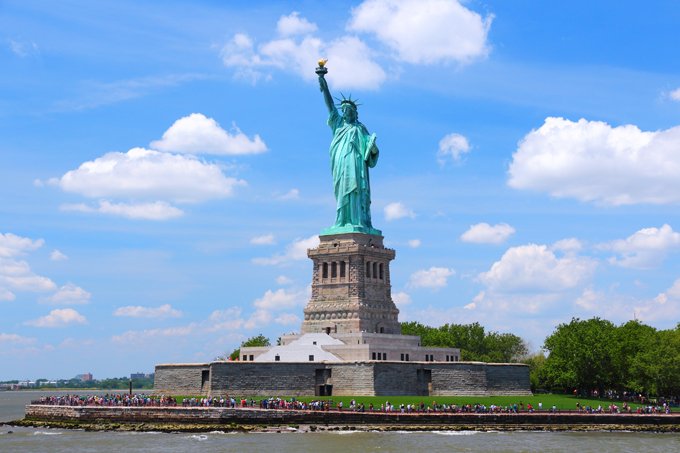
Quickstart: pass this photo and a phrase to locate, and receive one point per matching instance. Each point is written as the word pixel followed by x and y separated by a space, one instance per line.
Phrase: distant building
pixel 139 375
pixel 85 377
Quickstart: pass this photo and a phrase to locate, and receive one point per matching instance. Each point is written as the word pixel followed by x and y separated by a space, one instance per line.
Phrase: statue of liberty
pixel 353 151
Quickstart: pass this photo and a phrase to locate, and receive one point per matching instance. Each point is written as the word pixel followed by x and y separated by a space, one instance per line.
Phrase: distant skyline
pixel 164 168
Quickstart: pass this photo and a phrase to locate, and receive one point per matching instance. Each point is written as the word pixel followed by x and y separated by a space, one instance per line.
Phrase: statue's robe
pixel 353 151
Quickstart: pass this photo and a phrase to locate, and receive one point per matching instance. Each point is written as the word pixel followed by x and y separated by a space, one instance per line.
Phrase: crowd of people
pixel 113 399
pixel 143 400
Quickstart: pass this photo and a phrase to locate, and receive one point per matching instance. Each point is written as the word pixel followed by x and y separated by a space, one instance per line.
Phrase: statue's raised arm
pixel 353 151
pixel 323 86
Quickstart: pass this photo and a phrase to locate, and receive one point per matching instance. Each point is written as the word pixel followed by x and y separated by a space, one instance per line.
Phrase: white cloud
pixel 292 194
pixel 159 210
pixel 478 299
pixel 136 337
pixel 536 268
pixel 22 49
pixel 57 255
pixel 293 24
pixel 595 162
pixel 59 318
pixel 351 63
pixel 483 233
pixel 434 278
pixel 266 239
pixel 645 248
pixel 401 299
pixel 138 311
pixel 424 31
pixel 6 295
pixel 569 245
pixel 287 319
pixel 198 134
pixel 95 94
pixel 228 319
pixel 12 245
pixel 69 294
pixel 283 280
pixel 17 275
pixel 259 319
pixel 397 210
pixel 282 299
pixel 16 339
pixel 589 299
pixel 414 243
pixel 675 94
pixel 295 251
pixel 452 147
pixel 149 175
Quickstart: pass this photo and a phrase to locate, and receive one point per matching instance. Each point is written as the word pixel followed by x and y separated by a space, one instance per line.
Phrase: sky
pixel 164 168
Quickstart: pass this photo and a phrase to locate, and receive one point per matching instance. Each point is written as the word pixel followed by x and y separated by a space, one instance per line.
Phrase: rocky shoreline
pixel 163 419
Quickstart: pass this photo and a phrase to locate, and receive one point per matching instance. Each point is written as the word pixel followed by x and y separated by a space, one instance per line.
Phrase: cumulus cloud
pixel 59 318
pixel 589 299
pixel 57 255
pixel 282 299
pixel 294 24
pixel 138 311
pixel 6 295
pixel 149 175
pixel 483 233
pixel 265 239
pixel 22 49
pixel 401 299
pixel 137 336
pixel 350 58
pixel 15 339
pixel 16 274
pixel 452 147
pixel 397 210
pixel 69 294
pixel 645 248
pixel 259 318
pixel 594 162
pixel 12 245
pixel 424 31
pixel 283 280
pixel 198 134
pixel 675 94
pixel 536 268
pixel 414 243
pixel 433 278
pixel 568 245
pixel 159 210
pixel 292 194
pixel 295 251
pixel 287 319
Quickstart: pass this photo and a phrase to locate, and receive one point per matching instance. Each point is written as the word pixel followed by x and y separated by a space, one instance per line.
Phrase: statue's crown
pixel 348 101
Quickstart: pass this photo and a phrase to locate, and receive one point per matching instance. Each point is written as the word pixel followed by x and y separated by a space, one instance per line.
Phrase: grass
pixel 562 402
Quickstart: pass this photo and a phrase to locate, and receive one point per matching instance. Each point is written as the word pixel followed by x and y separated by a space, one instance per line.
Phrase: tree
pixel 581 355
pixel 633 363
pixel 474 343
pixel 259 340
pixel 536 364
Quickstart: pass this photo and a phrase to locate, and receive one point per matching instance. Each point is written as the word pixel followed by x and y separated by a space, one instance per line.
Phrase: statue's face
pixel 349 113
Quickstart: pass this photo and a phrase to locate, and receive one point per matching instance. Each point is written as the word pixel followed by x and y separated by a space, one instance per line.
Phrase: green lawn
pixel 562 402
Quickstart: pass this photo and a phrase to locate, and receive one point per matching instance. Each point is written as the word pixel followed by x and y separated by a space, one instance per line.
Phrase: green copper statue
pixel 353 151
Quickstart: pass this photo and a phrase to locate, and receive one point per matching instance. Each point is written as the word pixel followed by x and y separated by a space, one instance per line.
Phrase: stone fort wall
pixel 349 378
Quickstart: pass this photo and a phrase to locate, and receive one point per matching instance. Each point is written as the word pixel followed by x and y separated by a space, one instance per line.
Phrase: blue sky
pixel 164 167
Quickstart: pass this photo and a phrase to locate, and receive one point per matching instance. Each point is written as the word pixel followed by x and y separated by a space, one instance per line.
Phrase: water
pixel 69 441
